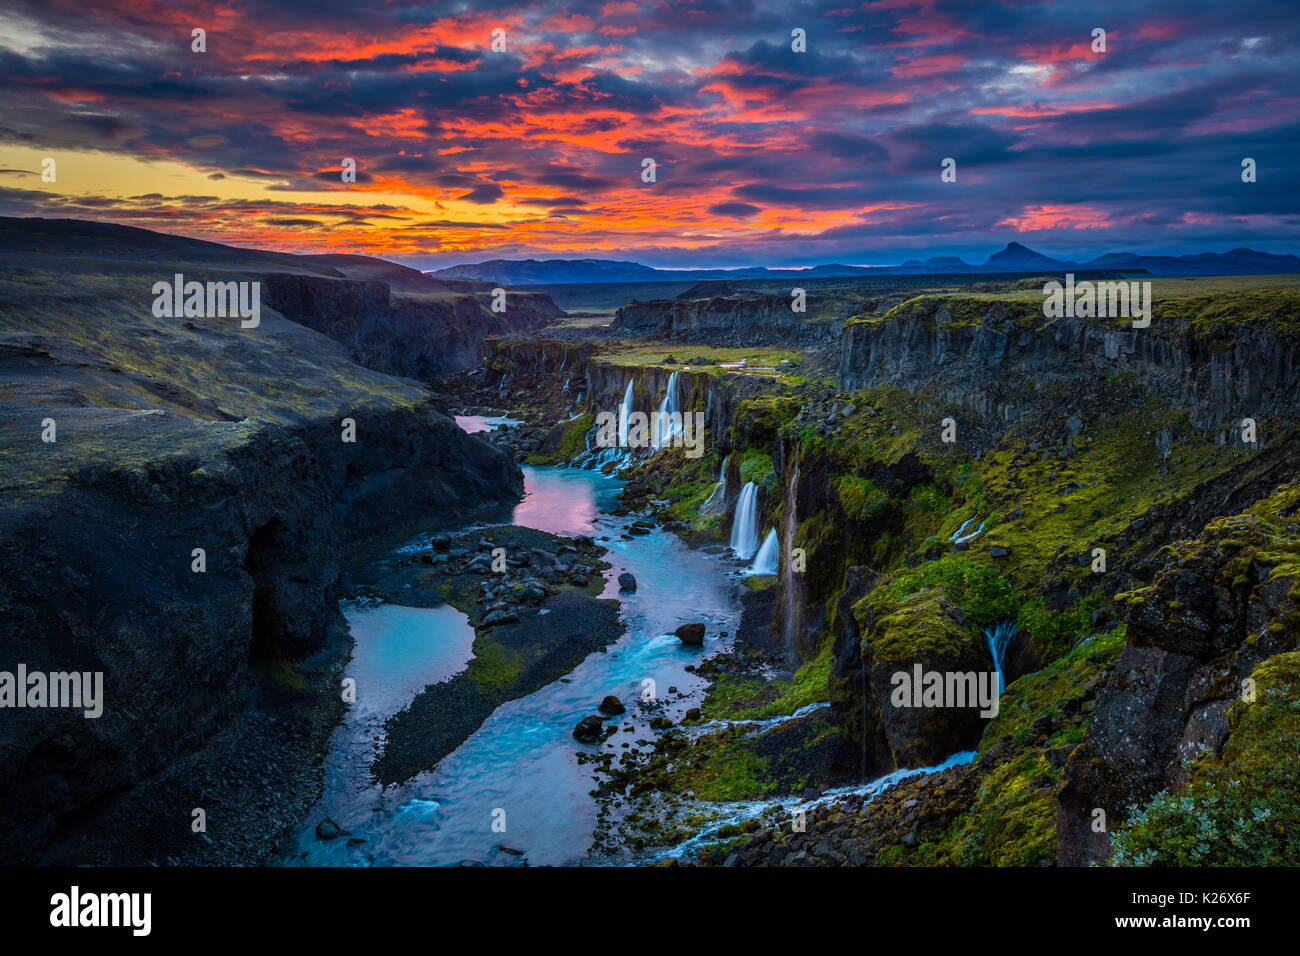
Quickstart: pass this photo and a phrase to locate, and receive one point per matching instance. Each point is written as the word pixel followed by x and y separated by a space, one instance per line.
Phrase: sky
pixel 763 154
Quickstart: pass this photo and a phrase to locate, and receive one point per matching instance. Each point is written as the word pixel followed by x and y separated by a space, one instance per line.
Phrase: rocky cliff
pixel 1221 361
pixel 750 318
pixel 130 441
pixel 413 332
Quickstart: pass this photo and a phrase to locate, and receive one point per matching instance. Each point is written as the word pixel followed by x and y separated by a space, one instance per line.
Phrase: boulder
pixel 691 634
pixel 589 729
pixel 626 581
pixel 612 705
pixel 327 829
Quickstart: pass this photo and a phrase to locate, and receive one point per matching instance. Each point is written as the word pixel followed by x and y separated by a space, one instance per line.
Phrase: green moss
pixel 1012 823
pixel 757 466
pixel 721 766
pixel 757 421
pixel 493 667
pixel 860 498
pixel 979 589
pixel 572 442
pixel 916 627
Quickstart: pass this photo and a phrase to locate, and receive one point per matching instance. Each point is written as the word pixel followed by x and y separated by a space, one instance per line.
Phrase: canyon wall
pixel 127 441
pixel 1003 359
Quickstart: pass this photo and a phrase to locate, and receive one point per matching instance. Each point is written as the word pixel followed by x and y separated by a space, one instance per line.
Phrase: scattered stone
pixel 612 705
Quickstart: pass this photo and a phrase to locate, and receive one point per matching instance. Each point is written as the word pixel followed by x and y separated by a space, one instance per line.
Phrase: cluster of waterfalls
pixel 744 534
pixel 669 427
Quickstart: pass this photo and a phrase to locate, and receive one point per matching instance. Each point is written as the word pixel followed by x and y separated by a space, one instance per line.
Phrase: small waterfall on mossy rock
pixel 765 561
pixel 998 637
pixel 716 502
pixel 667 427
pixel 744 527
pixel 960 536
pixel 624 413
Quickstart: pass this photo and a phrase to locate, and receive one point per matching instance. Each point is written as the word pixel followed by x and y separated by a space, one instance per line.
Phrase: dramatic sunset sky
pixel 765 156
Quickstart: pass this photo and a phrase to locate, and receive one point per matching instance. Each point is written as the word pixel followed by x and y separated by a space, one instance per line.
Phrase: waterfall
pixel 765 562
pixel 957 536
pixel 792 596
pixel 998 637
pixel 667 408
pixel 624 412
pixel 716 502
pixel 566 384
pixel 853 796
pixel 744 526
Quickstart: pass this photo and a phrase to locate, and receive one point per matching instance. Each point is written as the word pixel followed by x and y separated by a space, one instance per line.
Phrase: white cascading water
pixel 765 562
pixel 717 499
pixel 960 535
pixel 998 637
pixel 624 413
pixel 854 794
pixel 667 427
pixel 744 527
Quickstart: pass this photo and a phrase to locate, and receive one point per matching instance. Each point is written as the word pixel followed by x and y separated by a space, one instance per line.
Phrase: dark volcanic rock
pixel 626 581
pixel 219 438
pixel 590 729
pixel 612 705
pixel 327 829
pixel 691 634
pixel 1192 637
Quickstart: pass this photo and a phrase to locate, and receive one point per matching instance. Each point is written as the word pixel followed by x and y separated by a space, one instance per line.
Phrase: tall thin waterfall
pixel 998 637
pixel 669 406
pixel 765 562
pixel 717 499
pixel 744 527
pixel 624 413
pixel 792 596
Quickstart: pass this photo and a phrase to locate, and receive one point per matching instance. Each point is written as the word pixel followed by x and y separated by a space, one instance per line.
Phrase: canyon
pixel 829 534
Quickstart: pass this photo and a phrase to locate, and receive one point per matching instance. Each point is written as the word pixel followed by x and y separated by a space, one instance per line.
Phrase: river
pixel 520 767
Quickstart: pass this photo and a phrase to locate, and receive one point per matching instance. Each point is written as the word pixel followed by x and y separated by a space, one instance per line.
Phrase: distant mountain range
pixel 1014 258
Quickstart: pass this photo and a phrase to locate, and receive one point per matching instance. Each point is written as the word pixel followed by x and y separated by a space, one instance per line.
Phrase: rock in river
pixel 612 705
pixel 692 634
pixel 626 582
pixel 589 729
pixel 327 829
